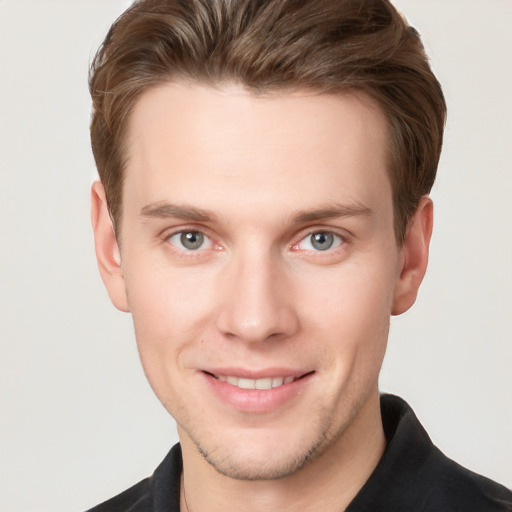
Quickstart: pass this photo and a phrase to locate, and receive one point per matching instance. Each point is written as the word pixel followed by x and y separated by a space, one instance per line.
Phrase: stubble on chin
pixel 247 470
pixel 239 466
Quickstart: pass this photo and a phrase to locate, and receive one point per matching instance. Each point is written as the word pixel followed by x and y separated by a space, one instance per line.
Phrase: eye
pixel 320 241
pixel 190 240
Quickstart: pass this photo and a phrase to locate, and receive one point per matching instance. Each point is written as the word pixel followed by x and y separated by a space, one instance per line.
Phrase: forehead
pixel 218 143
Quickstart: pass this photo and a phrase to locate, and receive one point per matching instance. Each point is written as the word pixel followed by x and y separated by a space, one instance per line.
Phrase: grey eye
pixel 322 241
pixel 191 240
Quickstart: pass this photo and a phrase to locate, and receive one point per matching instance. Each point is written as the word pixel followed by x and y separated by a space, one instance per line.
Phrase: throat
pixel 329 480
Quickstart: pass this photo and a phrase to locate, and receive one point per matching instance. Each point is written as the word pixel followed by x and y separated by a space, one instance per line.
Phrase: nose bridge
pixel 255 303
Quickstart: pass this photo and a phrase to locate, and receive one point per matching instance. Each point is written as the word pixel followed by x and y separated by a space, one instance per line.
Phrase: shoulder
pixel 135 499
pixel 454 487
pixel 161 491
pixel 415 476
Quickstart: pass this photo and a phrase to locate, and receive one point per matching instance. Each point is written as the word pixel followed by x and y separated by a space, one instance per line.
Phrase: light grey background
pixel 78 422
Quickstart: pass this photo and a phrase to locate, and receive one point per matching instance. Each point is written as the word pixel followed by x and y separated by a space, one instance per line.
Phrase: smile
pixel 258 392
pixel 265 383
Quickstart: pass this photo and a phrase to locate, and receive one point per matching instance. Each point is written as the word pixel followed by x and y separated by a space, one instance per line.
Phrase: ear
pixel 107 249
pixel 413 257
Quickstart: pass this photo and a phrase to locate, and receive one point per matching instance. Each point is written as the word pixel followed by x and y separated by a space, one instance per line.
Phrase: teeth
pixel 265 383
pixel 246 383
pixel 277 381
pixel 232 380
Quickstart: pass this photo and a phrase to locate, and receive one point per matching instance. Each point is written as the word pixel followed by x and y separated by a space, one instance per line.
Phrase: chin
pixel 257 457
pixel 272 447
pixel 253 468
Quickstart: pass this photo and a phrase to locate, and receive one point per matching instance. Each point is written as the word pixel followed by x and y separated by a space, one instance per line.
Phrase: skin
pixel 256 177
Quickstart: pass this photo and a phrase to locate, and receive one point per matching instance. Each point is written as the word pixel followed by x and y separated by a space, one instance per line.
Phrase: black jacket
pixel 412 476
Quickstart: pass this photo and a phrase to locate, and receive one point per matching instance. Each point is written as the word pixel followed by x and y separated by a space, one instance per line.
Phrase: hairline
pixel 363 94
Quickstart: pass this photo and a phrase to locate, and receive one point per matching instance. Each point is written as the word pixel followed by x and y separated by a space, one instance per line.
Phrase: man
pixel 263 210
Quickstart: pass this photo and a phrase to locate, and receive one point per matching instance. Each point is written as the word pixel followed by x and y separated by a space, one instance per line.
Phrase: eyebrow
pixel 331 212
pixel 163 209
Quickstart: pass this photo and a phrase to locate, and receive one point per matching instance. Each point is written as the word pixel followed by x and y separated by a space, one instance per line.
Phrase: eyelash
pixel 190 253
pixel 339 240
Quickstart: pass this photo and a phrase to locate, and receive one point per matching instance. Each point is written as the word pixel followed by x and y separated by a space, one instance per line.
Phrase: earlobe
pixel 414 257
pixel 107 249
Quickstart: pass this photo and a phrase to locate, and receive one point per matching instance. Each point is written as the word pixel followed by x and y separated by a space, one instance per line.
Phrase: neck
pixel 328 483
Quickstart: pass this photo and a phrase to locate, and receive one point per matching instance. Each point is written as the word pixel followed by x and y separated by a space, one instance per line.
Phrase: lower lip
pixel 257 400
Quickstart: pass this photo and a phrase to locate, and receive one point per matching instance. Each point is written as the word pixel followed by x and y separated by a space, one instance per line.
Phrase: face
pixel 260 265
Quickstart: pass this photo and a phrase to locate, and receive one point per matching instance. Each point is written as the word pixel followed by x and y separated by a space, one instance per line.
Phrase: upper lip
pixel 266 373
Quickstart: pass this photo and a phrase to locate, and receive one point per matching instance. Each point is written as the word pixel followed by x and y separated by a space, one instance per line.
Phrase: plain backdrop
pixel 78 422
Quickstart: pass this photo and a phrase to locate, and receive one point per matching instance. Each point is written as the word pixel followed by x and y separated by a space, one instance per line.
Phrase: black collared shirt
pixel 412 476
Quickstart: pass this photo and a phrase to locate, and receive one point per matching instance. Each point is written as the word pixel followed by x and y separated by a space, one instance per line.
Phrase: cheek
pixel 172 311
pixel 163 302
pixel 350 313
pixel 163 323
pixel 358 295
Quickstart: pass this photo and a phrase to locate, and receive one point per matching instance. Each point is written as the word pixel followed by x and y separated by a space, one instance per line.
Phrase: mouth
pixel 259 384
pixel 256 392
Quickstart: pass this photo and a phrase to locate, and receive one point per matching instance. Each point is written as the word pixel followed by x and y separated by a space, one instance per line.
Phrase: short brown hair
pixel 328 46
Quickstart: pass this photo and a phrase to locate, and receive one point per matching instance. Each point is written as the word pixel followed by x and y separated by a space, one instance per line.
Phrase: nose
pixel 255 301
